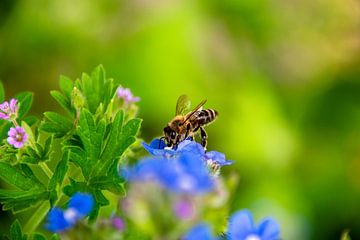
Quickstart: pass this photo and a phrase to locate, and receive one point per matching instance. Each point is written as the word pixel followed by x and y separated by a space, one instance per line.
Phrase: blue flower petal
pixel 218 158
pixel 82 202
pixel 56 221
pixel 190 146
pixel 201 231
pixel 269 229
pixel 241 225
pixel 158 144
pixel 185 173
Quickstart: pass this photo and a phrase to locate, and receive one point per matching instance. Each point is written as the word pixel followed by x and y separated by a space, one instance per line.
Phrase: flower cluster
pixel 79 206
pixel 241 227
pixel 126 95
pixel 8 110
pixel 17 136
pixel 184 173
pixel 215 160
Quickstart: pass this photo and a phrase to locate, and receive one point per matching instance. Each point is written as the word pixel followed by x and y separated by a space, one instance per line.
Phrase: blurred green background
pixel 284 76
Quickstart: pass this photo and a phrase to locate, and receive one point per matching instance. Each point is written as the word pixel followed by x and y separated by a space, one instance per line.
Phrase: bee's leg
pixel 187 131
pixel 203 137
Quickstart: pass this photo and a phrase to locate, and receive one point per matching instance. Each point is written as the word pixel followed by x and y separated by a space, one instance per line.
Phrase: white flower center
pixel 252 237
pixel 186 182
pixel 71 215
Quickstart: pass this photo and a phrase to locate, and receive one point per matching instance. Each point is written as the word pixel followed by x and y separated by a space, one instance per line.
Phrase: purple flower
pixel 242 227
pixel 201 231
pixel 184 209
pixel 8 111
pixel 126 94
pixel 17 137
pixel 118 223
pixel 79 206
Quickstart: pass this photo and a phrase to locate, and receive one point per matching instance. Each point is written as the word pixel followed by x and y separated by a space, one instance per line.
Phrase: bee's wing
pixel 182 105
pixel 195 110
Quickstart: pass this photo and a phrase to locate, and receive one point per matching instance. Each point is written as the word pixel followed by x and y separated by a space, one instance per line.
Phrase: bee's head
pixel 170 136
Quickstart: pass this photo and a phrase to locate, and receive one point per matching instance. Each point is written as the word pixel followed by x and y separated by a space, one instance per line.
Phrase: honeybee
pixel 184 126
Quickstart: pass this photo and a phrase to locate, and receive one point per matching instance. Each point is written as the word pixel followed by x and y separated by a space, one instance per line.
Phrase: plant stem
pixel 37 217
pixel 46 169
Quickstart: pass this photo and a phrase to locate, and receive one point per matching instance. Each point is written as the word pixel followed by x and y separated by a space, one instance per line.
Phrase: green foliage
pixel 93 136
pixel 16 232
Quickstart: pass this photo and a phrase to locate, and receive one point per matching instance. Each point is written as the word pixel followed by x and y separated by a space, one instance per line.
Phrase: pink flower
pixel 118 223
pixel 8 111
pixel 127 95
pixel 183 209
pixel 17 137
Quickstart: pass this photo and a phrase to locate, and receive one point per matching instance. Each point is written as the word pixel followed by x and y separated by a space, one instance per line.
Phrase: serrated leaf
pixel 120 139
pixel 93 87
pixel 91 135
pixel 2 92
pixel 14 177
pixel 25 101
pixel 56 124
pixel 64 102
pixel 114 185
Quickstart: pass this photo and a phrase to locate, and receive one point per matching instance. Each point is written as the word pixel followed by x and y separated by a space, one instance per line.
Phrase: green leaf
pixel 30 174
pixel 58 177
pixel 31 120
pixel 91 135
pixel 93 87
pixel 14 177
pixel 56 124
pixel 55 237
pixel 345 235
pixel 64 102
pixel 25 101
pixel 66 86
pixel 38 236
pixel 16 232
pixel 18 200
pixel 4 128
pixel 112 184
pixel 2 92
pixel 27 128
pixel 120 139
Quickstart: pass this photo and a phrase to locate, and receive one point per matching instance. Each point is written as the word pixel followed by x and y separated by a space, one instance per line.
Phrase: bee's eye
pixel 172 134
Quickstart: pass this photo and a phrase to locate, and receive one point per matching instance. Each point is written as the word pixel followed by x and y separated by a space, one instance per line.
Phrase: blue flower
pixel 183 173
pixel 242 227
pixel 214 159
pixel 79 206
pixel 217 158
pixel 201 231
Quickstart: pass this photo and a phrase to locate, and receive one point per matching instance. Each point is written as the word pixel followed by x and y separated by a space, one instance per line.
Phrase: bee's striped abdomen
pixel 206 116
